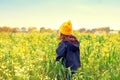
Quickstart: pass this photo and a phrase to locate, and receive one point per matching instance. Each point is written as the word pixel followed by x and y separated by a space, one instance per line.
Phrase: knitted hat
pixel 66 28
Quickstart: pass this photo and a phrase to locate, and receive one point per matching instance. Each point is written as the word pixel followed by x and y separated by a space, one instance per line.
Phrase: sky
pixel 52 13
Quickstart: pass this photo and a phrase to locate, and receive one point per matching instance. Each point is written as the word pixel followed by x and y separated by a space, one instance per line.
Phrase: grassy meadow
pixel 31 56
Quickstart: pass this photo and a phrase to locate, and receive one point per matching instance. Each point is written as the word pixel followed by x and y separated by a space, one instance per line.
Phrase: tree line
pixel 43 29
pixel 24 29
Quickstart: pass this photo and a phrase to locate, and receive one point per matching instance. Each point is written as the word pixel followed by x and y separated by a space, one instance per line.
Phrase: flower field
pixel 31 56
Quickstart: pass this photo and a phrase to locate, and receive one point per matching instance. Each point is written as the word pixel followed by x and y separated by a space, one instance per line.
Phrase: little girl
pixel 68 48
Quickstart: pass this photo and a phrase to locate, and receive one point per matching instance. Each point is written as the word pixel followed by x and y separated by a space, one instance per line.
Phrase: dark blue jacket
pixel 69 53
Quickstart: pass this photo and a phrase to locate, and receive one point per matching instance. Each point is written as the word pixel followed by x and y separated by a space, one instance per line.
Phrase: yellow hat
pixel 66 28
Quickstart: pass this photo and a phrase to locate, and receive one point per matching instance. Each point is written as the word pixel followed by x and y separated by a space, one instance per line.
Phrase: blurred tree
pixel 23 29
pixel 49 30
pixel 14 29
pixel 107 29
pixel 42 29
pixel 119 32
pixel 5 29
pixel 88 31
pixel 82 30
pixel 32 29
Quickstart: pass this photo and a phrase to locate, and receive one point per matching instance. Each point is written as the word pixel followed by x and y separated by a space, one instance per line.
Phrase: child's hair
pixel 64 37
